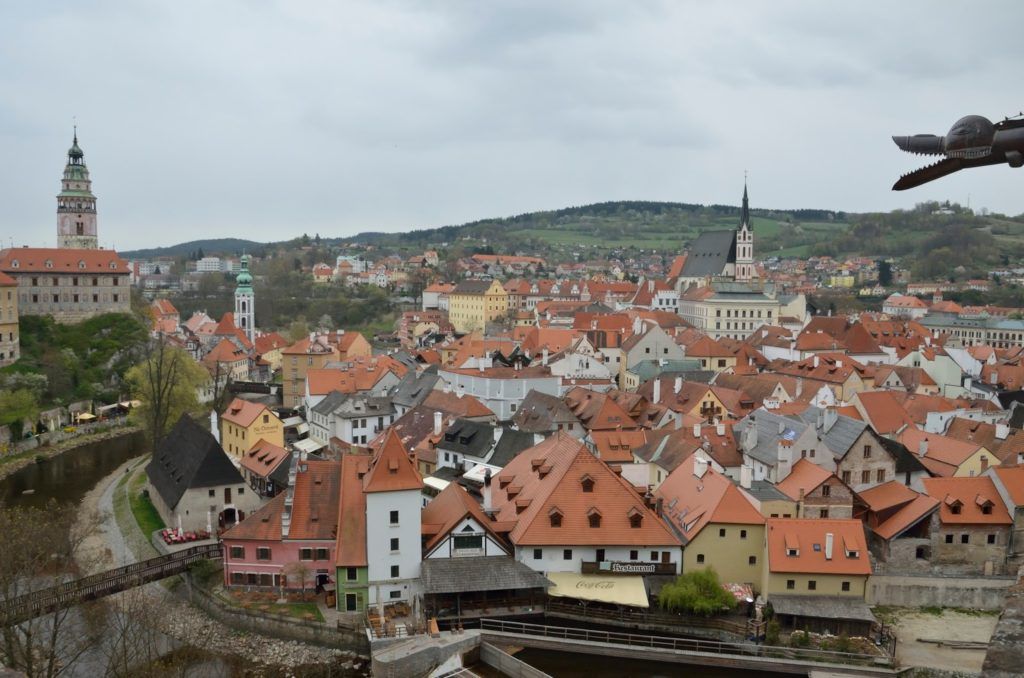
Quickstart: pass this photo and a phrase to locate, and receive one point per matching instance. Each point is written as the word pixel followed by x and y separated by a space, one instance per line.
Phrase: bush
pixel 697 592
pixel 771 633
pixel 799 639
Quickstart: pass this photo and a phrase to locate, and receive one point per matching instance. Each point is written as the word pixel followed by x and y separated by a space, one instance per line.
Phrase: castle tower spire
pixel 76 205
pixel 245 300
pixel 745 240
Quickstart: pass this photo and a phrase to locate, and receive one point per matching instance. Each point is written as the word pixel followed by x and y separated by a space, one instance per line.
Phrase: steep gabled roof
pixel 548 479
pixel 350 548
pixel 393 469
pixel 448 509
pixel 971 495
pixel 189 457
pixel 805 477
pixel 244 412
pixel 805 539
pixel 694 495
pixel 709 254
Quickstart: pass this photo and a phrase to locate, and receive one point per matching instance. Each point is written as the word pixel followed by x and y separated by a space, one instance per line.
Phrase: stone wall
pixel 979 593
pixel 277 626
pixel 421 655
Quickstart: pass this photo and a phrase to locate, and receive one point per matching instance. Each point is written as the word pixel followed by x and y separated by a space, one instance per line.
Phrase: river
pixel 68 476
pixel 569 665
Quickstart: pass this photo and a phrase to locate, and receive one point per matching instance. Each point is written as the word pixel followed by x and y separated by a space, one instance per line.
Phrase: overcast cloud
pixel 266 119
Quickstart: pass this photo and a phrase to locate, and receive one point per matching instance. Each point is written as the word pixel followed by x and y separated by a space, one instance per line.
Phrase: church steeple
pixel 76 205
pixel 245 300
pixel 745 240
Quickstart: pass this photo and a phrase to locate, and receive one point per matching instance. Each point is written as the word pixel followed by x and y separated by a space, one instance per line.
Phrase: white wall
pixel 380 531
pixel 552 559
pixel 445 549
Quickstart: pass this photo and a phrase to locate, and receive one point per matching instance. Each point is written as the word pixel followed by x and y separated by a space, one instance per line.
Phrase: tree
pixel 696 592
pixel 166 382
pixel 298 329
pixel 298 572
pixel 40 550
pixel 884 273
pixel 15 408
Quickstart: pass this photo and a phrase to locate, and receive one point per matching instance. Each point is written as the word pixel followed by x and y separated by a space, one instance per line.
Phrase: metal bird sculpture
pixel 973 141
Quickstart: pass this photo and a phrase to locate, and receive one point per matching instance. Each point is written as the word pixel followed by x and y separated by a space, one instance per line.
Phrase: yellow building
pixel 9 351
pixel 717 522
pixel 474 303
pixel 245 423
pixel 816 557
pixel 311 352
pixel 841 280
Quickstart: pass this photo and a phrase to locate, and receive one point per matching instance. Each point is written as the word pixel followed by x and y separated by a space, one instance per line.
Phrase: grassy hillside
pixel 211 247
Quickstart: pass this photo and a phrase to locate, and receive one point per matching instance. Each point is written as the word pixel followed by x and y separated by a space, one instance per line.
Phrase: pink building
pixel 290 542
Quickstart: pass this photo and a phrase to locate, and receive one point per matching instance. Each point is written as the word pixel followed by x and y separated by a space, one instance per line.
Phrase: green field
pixel 142 508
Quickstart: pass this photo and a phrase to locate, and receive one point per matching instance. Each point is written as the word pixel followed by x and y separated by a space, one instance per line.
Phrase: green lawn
pixel 142 508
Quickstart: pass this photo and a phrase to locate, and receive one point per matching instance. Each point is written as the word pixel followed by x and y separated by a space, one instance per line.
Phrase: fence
pixel 687 645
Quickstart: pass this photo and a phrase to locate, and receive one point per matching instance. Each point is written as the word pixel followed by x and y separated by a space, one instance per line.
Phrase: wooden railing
pixel 103 584
pixel 688 645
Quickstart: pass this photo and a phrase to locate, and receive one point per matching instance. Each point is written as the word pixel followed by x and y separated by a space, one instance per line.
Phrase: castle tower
pixel 76 205
pixel 245 300
pixel 745 242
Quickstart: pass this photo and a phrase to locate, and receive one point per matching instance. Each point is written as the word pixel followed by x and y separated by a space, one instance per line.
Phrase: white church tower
pixel 245 300
pixel 745 243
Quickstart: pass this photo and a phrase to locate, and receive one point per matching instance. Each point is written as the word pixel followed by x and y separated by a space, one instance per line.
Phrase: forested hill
pixel 199 249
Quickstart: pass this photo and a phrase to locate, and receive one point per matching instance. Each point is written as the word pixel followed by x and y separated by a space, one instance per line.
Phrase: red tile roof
pixel 805 476
pixel 690 501
pixel 972 495
pixel 807 536
pixel 314 508
pixel 1012 478
pixel 549 479
pixel 393 470
pixel 447 510
pixel 350 548
pixel 884 412
pixel 244 412
pixel 908 516
pixel 34 260
pixel 263 457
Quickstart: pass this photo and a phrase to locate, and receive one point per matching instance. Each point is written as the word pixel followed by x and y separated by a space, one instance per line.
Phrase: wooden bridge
pixel 102 584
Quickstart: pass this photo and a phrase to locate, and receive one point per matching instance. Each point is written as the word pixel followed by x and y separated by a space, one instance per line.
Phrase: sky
pixel 266 119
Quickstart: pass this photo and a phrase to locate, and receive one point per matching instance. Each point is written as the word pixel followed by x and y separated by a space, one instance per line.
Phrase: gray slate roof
pixel 762 490
pixel 541 413
pixel 511 443
pixel 484 573
pixel 414 388
pixel 473 438
pixel 828 607
pixel 709 254
pixel 189 457
pixel 766 449
pixel 838 432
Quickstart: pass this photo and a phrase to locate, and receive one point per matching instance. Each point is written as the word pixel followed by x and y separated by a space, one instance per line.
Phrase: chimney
pixel 544 356
pixel 927 340
pixel 438 422
pixel 1002 430
pixel 214 426
pixel 816 361
pixel 657 390
pixel 696 430
pixel 839 363
pixel 746 476
pixel 922 448
pixel 831 417
pixel 828 545
pixel 782 427
pixel 700 465
pixel 994 378
pixel 799 386
pixel 678 385
pixel 480 362
pixel 658 506
pixel 719 429
pixel 486 493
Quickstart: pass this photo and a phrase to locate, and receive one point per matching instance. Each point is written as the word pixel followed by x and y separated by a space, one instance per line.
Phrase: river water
pixel 569 665
pixel 68 476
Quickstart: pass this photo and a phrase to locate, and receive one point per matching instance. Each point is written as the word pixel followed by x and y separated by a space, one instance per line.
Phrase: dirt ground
pixel 950 625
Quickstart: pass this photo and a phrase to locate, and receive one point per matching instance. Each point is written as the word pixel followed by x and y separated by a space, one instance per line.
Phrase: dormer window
pixel 49 263
pixel 556 517
pixel 113 266
pixel 987 508
pixel 636 518
pixel 81 264
pixel 587 483
pixel 852 554
pixel 14 263
pixel 956 508
pixel 594 517
pixel 793 553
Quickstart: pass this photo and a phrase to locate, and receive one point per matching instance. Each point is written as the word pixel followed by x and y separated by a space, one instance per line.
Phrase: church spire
pixel 745 210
